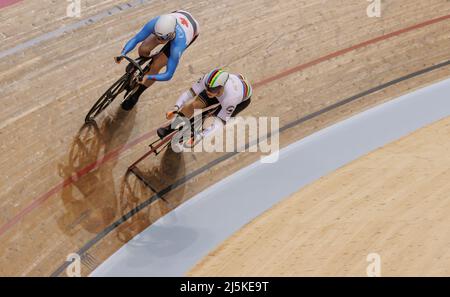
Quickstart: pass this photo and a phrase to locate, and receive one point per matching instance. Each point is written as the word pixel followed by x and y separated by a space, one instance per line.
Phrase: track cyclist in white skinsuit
pixel 232 91
pixel 177 31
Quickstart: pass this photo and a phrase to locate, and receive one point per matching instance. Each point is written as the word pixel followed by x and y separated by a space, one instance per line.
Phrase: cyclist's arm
pixel 141 36
pixel 222 117
pixel 196 89
pixel 185 97
pixel 175 54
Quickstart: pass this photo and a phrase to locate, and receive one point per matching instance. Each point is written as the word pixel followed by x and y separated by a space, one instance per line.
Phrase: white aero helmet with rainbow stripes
pixel 216 80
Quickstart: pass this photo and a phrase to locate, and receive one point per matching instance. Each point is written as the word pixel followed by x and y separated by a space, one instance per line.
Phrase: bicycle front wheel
pixel 107 98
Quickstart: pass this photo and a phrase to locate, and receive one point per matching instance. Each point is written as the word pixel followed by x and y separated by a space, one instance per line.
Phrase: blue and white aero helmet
pixel 165 26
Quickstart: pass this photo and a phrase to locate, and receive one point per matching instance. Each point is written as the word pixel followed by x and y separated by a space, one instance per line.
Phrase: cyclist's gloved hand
pixel 143 80
pixel 193 141
pixel 118 59
pixel 172 112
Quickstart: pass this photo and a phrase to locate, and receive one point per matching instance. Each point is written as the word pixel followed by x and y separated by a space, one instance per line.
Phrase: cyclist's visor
pixel 165 37
pixel 214 90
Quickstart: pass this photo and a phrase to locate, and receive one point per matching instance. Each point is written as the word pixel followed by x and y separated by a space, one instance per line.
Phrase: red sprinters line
pixel 4 3
pixel 59 187
pixel 116 153
pixel 349 49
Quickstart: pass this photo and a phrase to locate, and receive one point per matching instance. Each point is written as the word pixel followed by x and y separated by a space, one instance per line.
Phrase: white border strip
pixel 177 241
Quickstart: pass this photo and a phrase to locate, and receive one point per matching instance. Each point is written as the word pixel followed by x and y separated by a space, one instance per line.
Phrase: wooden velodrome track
pixel 62 187
pixel 393 202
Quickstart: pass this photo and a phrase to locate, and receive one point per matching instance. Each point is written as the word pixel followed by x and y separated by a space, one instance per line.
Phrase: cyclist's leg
pixel 241 106
pixel 186 112
pixel 158 62
pixel 144 51
pixel 146 47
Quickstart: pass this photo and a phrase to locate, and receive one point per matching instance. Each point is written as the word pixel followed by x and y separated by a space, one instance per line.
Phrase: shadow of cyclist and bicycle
pixel 159 199
pixel 92 201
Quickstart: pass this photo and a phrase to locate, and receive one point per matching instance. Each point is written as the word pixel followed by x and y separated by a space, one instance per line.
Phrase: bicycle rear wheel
pixel 107 98
pixel 196 123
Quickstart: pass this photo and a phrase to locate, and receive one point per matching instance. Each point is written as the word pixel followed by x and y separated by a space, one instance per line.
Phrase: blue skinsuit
pixel 177 47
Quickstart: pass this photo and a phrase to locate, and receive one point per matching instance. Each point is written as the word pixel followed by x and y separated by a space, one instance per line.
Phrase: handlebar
pixel 135 64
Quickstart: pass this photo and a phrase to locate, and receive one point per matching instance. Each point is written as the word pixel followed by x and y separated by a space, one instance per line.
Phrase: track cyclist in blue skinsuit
pixel 177 31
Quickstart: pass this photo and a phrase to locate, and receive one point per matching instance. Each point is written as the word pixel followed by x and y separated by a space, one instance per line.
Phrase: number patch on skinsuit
pixel 230 109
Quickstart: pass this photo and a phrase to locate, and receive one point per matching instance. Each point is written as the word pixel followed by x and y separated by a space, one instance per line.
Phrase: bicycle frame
pixel 159 145
pixel 118 87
